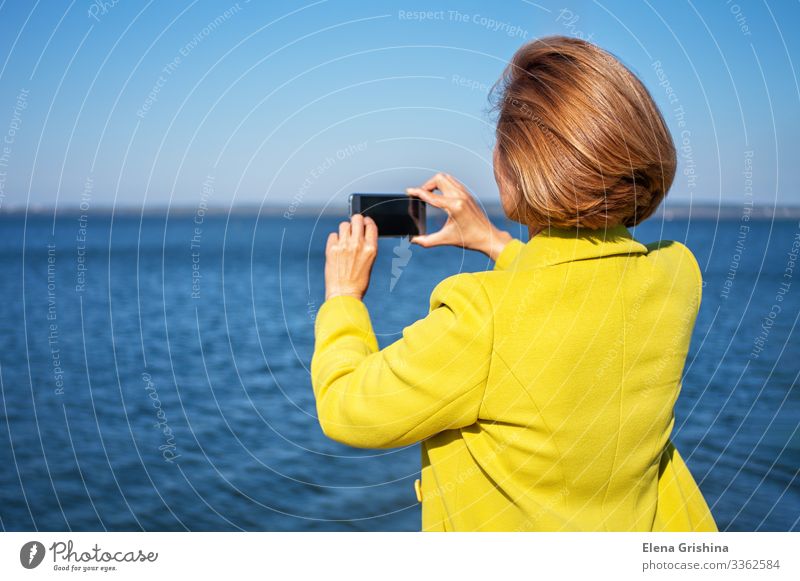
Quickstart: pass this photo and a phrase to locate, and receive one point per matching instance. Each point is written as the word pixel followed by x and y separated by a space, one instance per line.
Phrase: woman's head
pixel 580 142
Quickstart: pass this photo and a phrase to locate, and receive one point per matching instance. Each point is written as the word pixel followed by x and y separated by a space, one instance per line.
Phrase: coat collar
pixel 557 245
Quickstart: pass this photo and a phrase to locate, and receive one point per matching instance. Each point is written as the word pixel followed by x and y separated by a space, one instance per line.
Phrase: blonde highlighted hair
pixel 580 141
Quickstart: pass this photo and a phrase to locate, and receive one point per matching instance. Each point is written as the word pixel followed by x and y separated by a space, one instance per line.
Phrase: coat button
pixel 418 489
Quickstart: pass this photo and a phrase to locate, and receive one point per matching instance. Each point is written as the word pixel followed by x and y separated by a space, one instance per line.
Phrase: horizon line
pixel 290 210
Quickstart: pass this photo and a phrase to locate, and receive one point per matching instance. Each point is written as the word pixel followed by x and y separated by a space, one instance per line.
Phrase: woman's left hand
pixel 349 256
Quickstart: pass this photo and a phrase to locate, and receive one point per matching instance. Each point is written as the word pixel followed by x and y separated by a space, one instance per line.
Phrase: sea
pixel 154 373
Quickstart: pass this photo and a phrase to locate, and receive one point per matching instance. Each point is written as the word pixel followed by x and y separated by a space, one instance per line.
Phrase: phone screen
pixel 394 214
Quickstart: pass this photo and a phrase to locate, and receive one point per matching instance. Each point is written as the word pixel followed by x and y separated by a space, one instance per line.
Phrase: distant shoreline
pixel 673 211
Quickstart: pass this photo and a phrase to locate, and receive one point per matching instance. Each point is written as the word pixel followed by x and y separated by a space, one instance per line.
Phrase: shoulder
pixel 679 259
pixel 463 291
pixel 675 252
pixel 460 307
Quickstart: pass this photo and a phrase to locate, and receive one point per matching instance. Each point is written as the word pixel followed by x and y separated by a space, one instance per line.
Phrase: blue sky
pixel 155 103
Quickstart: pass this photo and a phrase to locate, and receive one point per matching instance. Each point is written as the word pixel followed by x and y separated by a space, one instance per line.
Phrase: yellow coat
pixel 542 391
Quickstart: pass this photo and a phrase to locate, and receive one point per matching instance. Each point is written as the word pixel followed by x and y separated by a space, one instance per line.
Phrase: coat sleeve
pixel 508 254
pixel 430 380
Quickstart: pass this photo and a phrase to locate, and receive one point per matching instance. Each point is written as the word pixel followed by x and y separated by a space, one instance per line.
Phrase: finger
pixel 356 227
pixel 371 231
pixel 457 184
pixel 441 182
pixel 434 182
pixel 344 231
pixel 333 238
pixel 426 196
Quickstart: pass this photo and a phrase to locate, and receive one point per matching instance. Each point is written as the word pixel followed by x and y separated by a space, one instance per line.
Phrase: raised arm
pixel 430 380
pixel 434 377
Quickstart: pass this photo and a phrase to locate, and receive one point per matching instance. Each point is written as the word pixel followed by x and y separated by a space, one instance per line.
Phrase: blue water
pixel 236 445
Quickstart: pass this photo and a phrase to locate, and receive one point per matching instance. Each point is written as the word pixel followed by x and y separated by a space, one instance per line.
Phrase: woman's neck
pixel 533 230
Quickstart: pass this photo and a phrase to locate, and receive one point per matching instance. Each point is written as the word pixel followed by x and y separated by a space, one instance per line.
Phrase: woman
pixel 542 391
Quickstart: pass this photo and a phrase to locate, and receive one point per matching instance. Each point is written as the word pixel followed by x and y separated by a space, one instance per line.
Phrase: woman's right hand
pixel 467 224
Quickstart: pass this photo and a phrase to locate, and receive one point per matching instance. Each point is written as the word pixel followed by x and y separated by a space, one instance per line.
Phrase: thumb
pixel 420 240
pixel 428 240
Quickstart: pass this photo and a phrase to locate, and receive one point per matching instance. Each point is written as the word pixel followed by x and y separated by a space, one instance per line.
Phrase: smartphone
pixel 394 214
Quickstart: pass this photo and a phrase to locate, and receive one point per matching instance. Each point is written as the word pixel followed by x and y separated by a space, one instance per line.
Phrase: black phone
pixel 394 214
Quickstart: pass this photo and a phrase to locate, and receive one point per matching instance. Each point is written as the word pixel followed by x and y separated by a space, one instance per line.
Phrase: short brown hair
pixel 580 140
